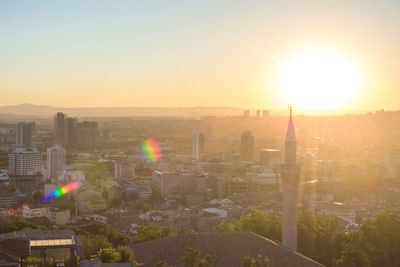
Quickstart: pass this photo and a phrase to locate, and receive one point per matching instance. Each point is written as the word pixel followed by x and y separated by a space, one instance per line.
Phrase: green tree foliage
pixel 108 255
pixel 64 202
pixel 12 224
pixel 206 261
pixel 126 254
pixel 93 243
pixel 320 237
pixel 323 238
pixel 162 264
pixel 192 258
pixel 267 225
pixel 99 229
pixel 377 243
pixel 152 231
pixel 257 262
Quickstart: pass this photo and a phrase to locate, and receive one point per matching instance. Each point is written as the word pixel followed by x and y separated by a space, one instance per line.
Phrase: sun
pixel 318 79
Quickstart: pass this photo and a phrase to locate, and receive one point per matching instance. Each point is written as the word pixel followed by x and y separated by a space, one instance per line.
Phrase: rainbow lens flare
pixel 61 191
pixel 151 150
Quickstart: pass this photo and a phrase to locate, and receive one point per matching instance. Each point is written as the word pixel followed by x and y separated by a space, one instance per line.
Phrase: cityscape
pixel 126 160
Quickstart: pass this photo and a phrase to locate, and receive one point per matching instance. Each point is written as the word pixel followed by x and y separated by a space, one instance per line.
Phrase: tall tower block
pixel 290 173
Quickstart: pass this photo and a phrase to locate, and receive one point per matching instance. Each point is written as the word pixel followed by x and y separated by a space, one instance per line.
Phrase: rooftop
pixel 228 249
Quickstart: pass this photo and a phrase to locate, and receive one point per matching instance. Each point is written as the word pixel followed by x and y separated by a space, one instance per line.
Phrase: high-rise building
pixel 24 134
pixel 25 161
pixel 67 130
pixel 247 145
pixel 199 141
pixel 71 130
pixel 290 173
pixel 55 160
pixel 87 133
pixel 59 128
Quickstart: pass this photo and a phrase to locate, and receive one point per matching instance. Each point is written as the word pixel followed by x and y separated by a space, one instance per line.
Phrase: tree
pixel 64 202
pixel 257 262
pixel 320 237
pixel 13 224
pixel 377 243
pixel 100 229
pixel 92 244
pixel 108 255
pixel 206 261
pixel 162 264
pixel 192 258
pixel 126 254
pixel 168 230
pixel 152 232
pixel 267 225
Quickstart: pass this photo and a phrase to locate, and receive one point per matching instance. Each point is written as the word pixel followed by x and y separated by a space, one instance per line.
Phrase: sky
pixel 188 53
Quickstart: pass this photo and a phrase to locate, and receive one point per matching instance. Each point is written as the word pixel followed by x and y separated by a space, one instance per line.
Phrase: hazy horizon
pixel 26 111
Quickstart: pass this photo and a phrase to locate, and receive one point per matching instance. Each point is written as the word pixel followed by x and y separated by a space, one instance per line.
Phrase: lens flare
pixel 61 191
pixel 151 150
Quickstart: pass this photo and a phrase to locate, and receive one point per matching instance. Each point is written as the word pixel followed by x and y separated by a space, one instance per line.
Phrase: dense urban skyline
pixel 169 54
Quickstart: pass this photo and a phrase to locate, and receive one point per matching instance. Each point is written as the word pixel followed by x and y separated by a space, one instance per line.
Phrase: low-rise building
pixel 8 199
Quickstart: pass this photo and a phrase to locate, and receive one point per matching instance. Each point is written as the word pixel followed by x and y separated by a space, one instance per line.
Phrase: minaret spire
pixel 290 173
pixel 290 156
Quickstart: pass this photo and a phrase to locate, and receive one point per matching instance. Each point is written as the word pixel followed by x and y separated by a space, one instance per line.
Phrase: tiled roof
pixel 88 263
pixel 40 235
pixel 228 249
pixel 15 247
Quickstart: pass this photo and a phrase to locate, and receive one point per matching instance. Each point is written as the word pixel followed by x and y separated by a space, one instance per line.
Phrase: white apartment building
pixel 25 161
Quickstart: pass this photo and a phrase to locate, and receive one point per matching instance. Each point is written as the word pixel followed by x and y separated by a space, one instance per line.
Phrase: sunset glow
pixel 318 80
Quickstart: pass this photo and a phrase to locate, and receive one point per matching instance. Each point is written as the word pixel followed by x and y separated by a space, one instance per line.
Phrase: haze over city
pixel 219 133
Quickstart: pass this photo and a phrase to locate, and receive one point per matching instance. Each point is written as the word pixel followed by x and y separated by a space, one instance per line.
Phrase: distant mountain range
pixel 39 111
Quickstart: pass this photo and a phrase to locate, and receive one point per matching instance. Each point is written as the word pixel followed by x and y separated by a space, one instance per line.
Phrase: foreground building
pixel 228 249
pixel 58 245
pixel 13 251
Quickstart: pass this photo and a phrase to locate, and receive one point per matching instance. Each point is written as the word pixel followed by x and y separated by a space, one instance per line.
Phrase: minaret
pixel 290 173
